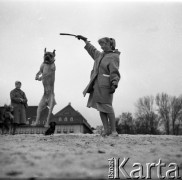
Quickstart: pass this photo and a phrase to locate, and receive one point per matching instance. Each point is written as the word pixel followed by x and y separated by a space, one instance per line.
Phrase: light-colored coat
pixel 105 73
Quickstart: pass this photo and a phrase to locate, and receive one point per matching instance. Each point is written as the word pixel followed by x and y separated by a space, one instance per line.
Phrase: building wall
pixel 68 121
pixel 60 129
pixel 30 130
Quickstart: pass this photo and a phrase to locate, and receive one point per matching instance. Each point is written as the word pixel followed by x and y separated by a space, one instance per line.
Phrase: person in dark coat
pixel 19 103
pixel 103 81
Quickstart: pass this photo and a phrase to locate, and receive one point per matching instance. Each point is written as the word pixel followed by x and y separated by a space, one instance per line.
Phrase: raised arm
pixel 93 52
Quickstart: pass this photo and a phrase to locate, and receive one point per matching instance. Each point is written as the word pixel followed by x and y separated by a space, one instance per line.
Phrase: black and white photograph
pixel 90 89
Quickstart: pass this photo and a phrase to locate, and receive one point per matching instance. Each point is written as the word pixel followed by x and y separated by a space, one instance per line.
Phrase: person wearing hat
pixel 19 103
pixel 104 80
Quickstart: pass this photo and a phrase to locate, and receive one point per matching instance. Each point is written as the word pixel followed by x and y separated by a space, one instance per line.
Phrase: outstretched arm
pixel 93 52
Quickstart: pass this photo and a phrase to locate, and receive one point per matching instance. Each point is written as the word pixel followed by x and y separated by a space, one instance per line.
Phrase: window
pixel 65 119
pixel 60 119
pixel 65 130
pixel 38 131
pixel 66 113
pixel 71 118
pixel 59 131
pixel 71 130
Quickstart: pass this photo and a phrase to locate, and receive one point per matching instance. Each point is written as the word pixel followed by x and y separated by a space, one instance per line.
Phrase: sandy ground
pixel 83 156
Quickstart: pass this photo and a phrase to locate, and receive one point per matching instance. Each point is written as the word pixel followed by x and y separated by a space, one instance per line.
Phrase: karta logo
pixel 118 170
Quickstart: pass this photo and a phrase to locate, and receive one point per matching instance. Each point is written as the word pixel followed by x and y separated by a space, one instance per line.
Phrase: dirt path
pixel 84 156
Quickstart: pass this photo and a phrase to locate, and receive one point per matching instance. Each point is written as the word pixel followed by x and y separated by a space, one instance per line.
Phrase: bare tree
pixel 125 124
pixel 163 103
pixel 176 110
pixel 146 115
pixel 178 124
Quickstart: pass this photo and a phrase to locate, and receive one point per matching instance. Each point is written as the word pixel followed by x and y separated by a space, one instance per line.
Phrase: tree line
pixel 160 114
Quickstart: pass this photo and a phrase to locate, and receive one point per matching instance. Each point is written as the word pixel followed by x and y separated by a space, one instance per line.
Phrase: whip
pixel 66 34
pixel 77 36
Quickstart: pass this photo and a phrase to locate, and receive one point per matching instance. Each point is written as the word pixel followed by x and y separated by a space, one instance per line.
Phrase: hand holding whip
pixel 77 36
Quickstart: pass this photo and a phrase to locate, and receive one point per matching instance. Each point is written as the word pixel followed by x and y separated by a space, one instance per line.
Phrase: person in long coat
pixel 104 80
pixel 19 103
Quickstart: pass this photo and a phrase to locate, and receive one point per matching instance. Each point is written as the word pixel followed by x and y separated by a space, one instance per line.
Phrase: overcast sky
pixel 148 34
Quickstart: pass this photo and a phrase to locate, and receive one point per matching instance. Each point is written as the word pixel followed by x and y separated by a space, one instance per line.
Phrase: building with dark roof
pixel 68 120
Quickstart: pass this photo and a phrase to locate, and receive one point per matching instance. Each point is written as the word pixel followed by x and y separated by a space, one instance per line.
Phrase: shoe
pixel 114 134
pixel 104 134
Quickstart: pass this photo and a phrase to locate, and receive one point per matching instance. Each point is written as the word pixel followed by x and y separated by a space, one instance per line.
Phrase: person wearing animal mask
pixel 104 80
pixel 46 74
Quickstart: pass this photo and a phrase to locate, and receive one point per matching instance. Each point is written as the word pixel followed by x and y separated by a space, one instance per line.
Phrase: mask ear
pixel 54 52
pixel 45 50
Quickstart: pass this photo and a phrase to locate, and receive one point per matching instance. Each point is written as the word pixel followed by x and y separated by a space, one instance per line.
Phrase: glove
pixel 81 37
pixel 112 90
